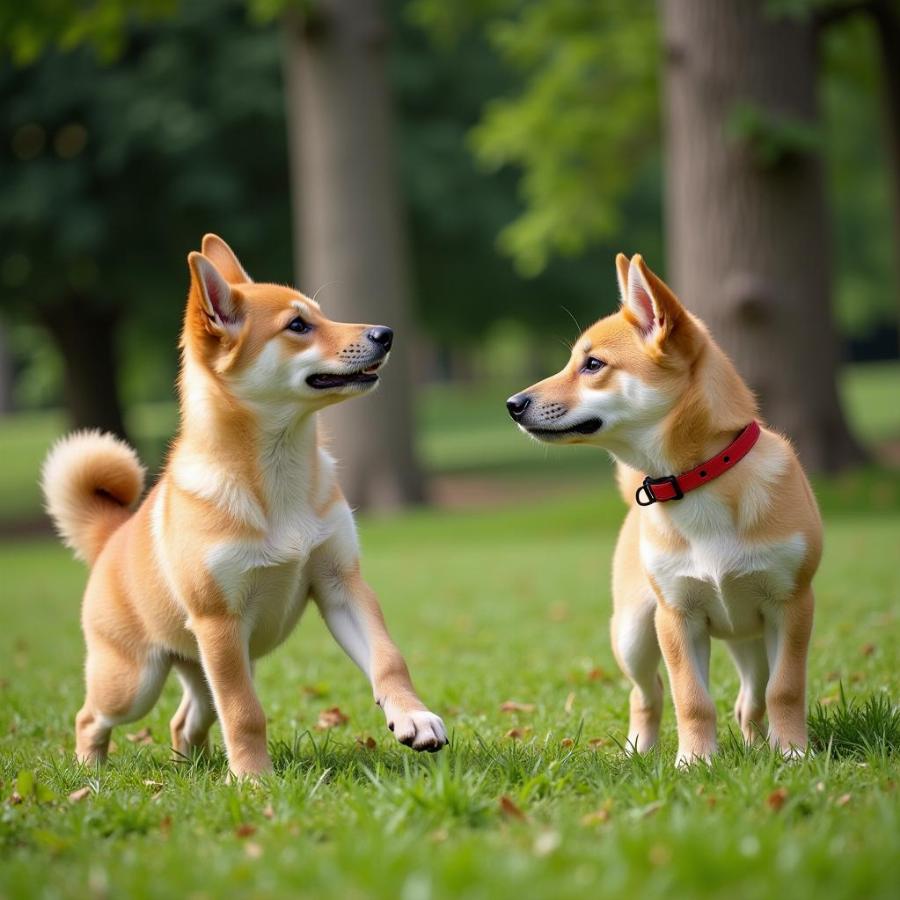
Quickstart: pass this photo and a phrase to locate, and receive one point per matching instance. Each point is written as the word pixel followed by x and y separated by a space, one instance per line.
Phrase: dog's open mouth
pixel 365 376
pixel 588 426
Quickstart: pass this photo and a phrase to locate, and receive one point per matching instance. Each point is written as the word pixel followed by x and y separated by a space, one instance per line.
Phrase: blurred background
pixel 464 172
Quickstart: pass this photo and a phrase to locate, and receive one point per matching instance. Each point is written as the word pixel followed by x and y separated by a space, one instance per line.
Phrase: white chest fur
pixel 720 574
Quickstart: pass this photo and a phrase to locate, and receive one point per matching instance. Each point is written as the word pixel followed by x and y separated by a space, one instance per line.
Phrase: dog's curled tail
pixel 89 480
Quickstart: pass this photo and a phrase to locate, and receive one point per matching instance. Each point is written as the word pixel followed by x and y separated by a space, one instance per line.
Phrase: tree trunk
pixel 7 375
pixel 85 338
pixel 747 224
pixel 349 240
pixel 887 21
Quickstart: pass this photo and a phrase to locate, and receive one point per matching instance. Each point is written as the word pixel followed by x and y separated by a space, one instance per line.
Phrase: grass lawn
pixel 490 607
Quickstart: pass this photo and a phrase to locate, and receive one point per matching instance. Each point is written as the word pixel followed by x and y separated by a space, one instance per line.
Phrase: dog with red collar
pixel 722 536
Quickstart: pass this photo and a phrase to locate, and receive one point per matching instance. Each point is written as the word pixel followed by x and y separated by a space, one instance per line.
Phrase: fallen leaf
pixel 651 809
pixel 245 829
pixel 566 742
pixel 833 675
pixel 140 737
pixel 331 718
pixel 314 690
pixel 546 842
pixel 597 743
pixel 509 809
pixel 514 706
pixel 368 742
pixel 843 800
pixel 165 825
pixel 867 649
pixel 777 799
pixel 598 674
pixel 515 734
pixel 570 703
pixel 559 612
pixel 80 794
pixel 597 817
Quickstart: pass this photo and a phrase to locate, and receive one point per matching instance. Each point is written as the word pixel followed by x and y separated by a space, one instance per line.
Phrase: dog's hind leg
pixel 191 723
pixel 120 688
pixel 753 668
pixel 637 652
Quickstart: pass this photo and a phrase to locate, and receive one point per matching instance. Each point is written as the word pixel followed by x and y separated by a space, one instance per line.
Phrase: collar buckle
pixel 649 495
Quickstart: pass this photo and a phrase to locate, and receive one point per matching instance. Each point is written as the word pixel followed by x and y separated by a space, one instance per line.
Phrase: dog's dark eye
pixel 298 326
pixel 592 364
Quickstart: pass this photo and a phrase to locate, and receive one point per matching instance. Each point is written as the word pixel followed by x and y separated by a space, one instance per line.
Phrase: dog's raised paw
pixel 419 729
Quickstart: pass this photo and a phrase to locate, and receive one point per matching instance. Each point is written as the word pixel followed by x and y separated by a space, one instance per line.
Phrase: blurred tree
pixel 583 123
pixel 747 223
pixel 112 172
pixel 350 236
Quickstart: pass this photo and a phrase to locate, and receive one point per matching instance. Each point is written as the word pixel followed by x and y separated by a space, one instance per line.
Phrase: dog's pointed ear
pixel 224 259
pixel 622 275
pixel 648 302
pixel 220 305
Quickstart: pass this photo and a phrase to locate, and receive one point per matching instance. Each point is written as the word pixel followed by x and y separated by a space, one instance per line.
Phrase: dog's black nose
pixel 517 404
pixel 381 335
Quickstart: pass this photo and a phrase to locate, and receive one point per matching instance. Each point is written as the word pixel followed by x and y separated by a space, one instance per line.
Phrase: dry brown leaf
pixel 80 794
pixel 566 742
pixel 514 706
pixel 331 718
pixel 516 734
pixel 143 736
pixel 598 673
pixel 597 743
pixel 165 824
pixel 597 817
pixel 367 743
pixel 843 800
pixel 245 829
pixel 559 612
pixel 313 690
pixel 509 809
pixel 867 649
pixel 777 799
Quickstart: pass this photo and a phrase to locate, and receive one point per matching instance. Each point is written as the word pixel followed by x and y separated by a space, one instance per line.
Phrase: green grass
pixel 489 607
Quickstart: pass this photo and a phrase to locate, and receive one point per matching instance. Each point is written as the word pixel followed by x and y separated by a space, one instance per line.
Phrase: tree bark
pixel 349 239
pixel 7 376
pixel 747 231
pixel 85 339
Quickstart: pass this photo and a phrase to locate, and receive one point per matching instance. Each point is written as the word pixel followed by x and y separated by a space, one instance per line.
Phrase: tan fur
pixel 246 523
pixel 734 559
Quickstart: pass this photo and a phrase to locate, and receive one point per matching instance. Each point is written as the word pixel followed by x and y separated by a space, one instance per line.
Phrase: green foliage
pixel 772 140
pixel 582 123
pixel 29 29
pixel 112 172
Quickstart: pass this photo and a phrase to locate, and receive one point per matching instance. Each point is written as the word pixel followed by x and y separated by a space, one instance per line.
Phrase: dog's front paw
pixel 416 728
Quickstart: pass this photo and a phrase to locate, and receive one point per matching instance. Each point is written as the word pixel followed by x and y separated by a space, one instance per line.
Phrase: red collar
pixel 674 487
